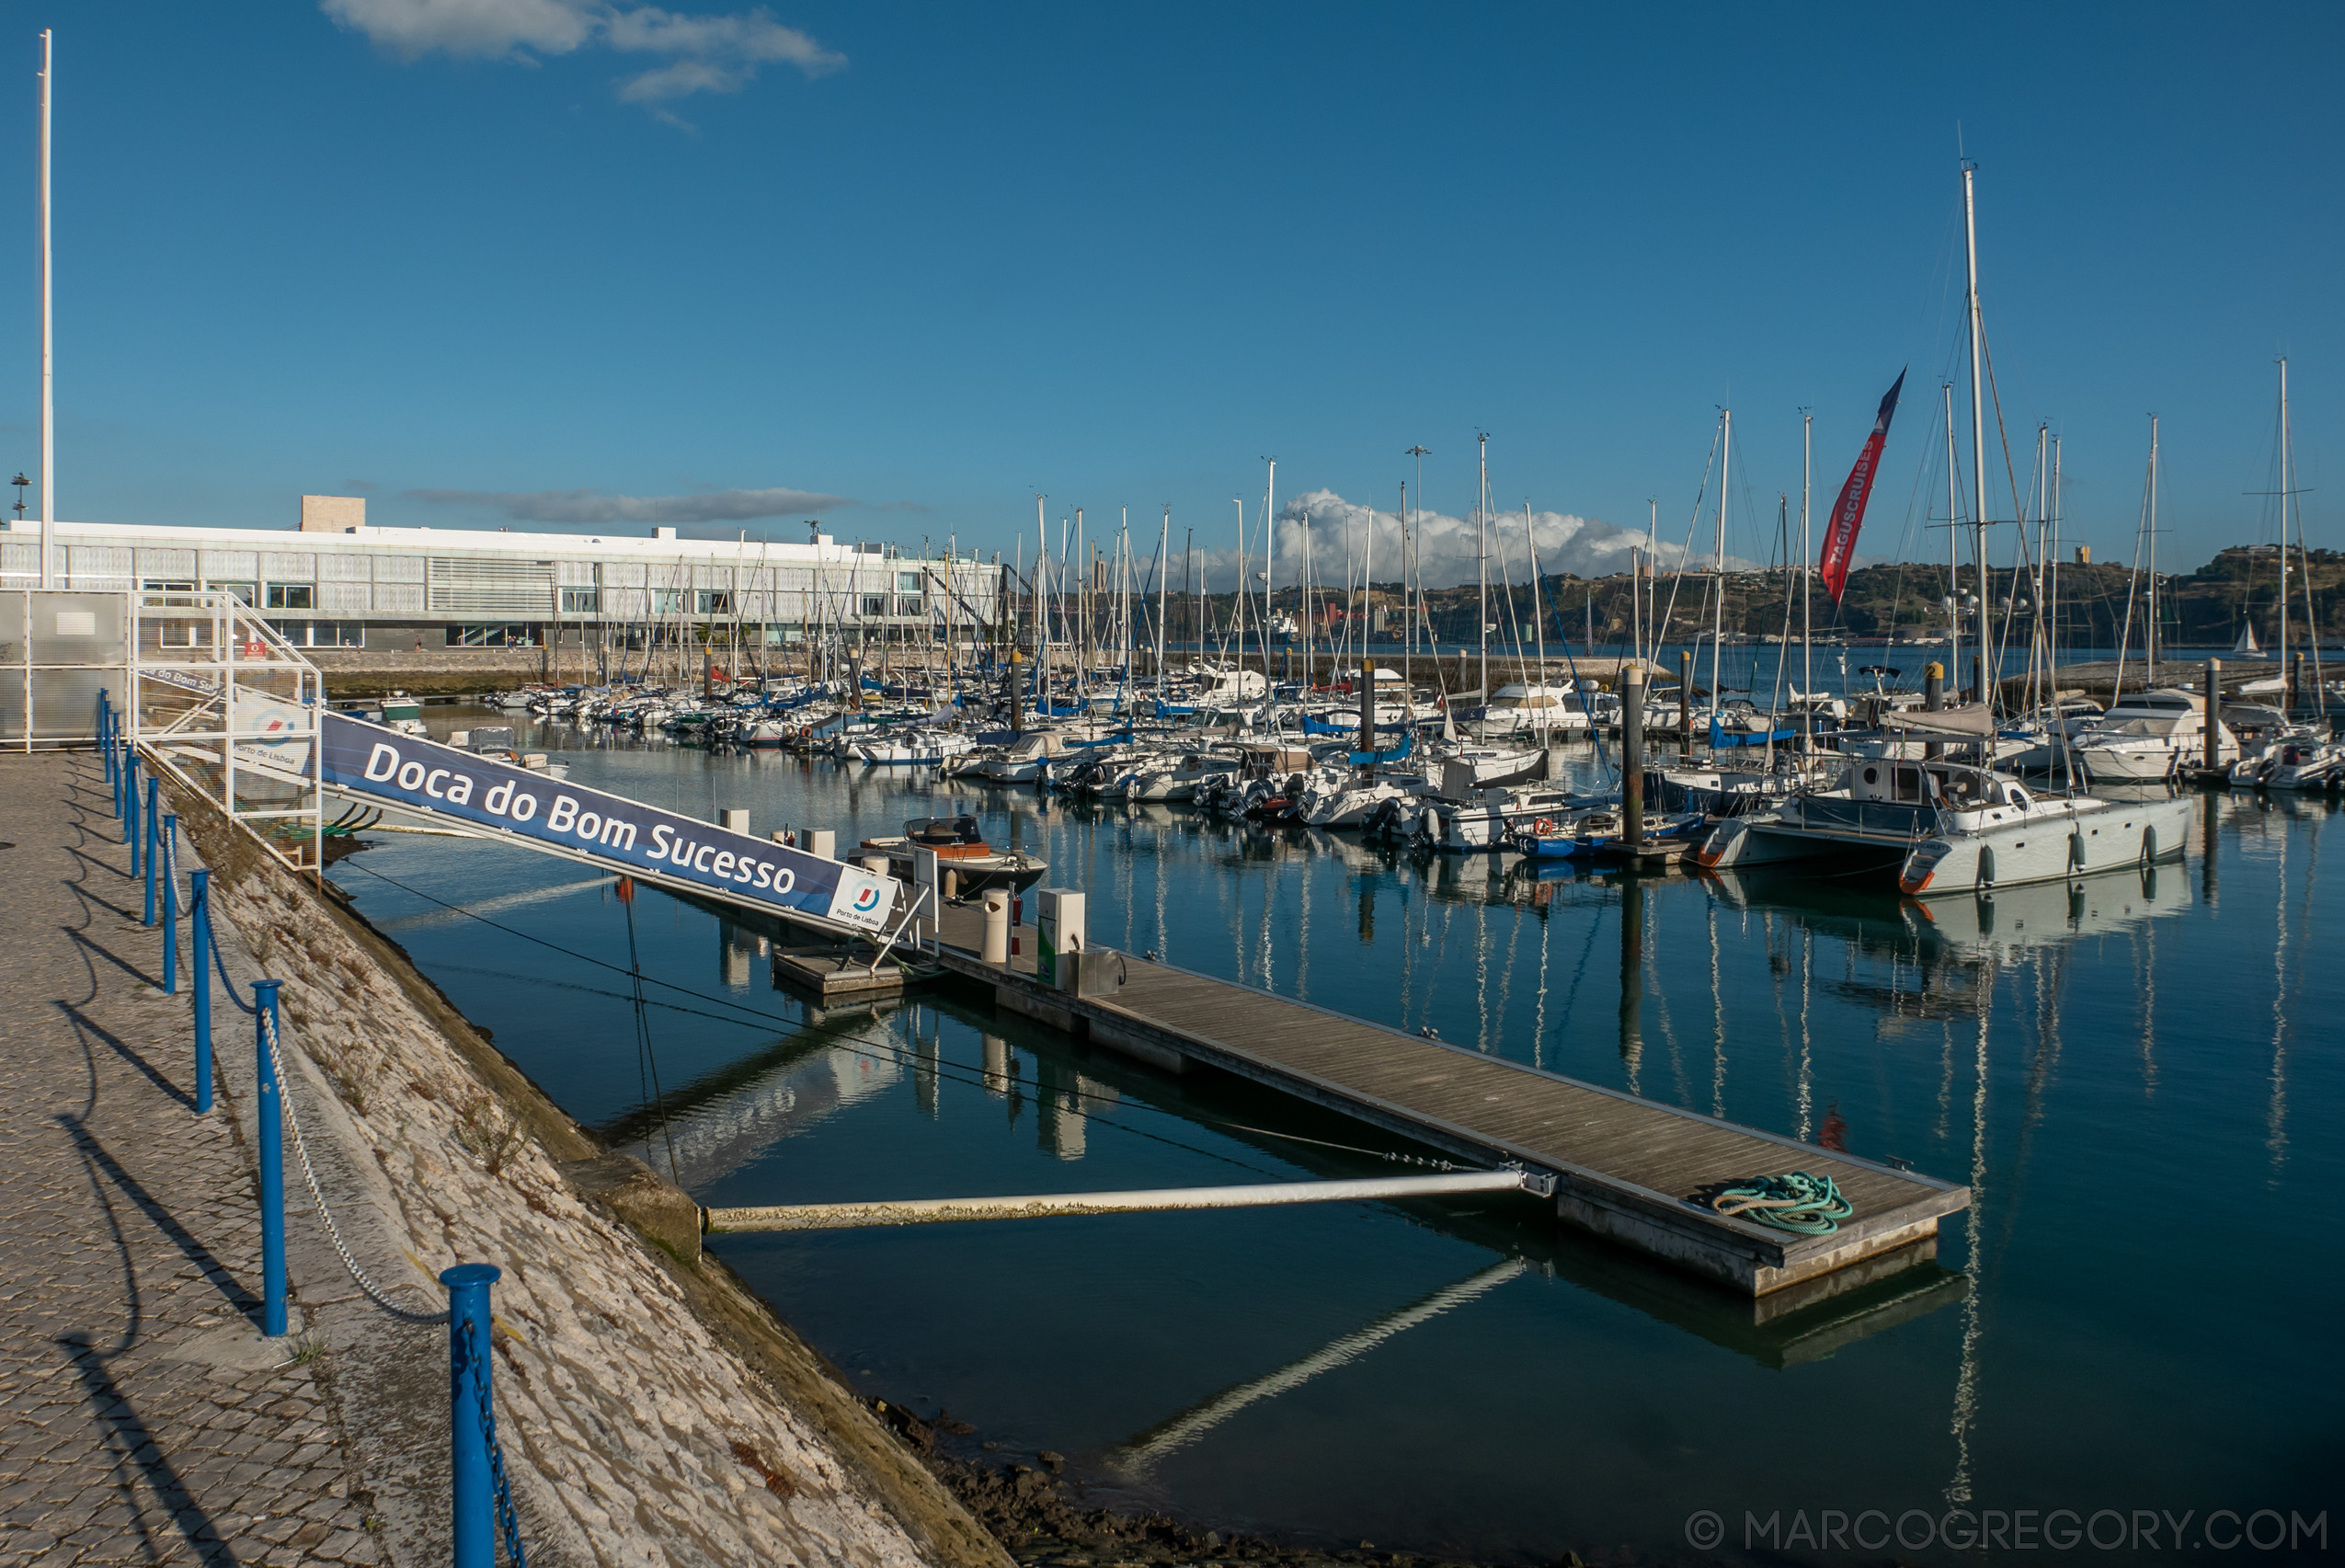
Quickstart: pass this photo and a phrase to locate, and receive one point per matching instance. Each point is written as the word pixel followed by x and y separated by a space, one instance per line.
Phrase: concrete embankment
pixel 652 1410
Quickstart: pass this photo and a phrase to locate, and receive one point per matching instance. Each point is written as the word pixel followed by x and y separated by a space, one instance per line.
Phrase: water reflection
pixel 2108 1064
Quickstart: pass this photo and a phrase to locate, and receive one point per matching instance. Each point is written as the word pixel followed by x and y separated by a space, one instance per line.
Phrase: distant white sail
pixel 2247 643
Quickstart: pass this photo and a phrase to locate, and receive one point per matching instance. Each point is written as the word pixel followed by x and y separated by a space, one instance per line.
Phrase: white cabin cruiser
pixel 2148 735
pixel 1523 707
pixel 1179 776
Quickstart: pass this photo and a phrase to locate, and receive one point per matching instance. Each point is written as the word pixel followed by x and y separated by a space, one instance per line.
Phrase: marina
pixel 767 805
pixel 1975 1039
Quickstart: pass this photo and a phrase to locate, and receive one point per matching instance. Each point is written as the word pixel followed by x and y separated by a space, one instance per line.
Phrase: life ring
pixel 1542 827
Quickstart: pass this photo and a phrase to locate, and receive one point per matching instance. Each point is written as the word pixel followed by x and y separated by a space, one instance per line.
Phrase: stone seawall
pixel 652 1411
pixel 434 670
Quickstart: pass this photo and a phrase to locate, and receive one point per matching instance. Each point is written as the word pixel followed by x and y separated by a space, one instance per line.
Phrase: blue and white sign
pixel 423 775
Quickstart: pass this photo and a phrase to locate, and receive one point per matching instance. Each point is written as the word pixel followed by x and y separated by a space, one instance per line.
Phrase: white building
pixel 337 582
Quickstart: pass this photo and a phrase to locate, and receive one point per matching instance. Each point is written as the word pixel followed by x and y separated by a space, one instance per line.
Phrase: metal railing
pixel 481 1496
pixel 221 701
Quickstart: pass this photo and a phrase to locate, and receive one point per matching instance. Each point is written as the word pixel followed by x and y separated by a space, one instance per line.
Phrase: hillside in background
pixel 2202 608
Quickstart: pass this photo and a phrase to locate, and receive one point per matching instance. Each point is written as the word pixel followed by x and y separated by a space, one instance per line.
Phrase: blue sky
pixel 505 261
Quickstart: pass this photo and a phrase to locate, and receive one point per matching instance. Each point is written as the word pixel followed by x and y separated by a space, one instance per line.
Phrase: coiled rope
pixel 1795 1201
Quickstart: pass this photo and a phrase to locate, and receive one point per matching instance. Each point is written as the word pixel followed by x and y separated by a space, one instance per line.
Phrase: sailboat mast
pixel 1538 628
pixel 1303 609
pixel 1402 517
pixel 1269 580
pixel 2287 491
pixel 1481 562
pixel 2051 519
pixel 1807 629
pixel 1978 424
pixel 2288 694
pixel 1648 629
pixel 1718 567
pixel 1163 593
pixel 2149 645
pixel 1953 575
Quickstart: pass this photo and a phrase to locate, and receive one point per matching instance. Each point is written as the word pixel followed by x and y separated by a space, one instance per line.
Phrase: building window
pixel 908 582
pixel 498 635
pixel 245 592
pixel 290 596
pixel 667 601
pixel 715 602
pixel 875 606
pixel 909 604
pixel 322 633
pixel 581 601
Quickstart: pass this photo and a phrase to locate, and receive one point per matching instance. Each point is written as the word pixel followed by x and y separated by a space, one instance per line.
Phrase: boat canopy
pixel 1972 719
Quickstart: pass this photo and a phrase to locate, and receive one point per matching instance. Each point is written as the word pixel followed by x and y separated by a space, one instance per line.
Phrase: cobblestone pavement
pixel 147 1420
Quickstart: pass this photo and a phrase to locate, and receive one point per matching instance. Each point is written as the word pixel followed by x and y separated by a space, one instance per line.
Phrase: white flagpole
pixel 48 338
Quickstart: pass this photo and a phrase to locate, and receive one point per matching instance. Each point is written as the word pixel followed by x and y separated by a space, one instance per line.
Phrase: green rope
pixel 1805 1205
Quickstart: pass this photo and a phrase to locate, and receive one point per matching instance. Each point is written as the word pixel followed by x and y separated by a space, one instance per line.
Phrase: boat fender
pixel 1986 866
pixel 2149 843
pixel 2076 849
pixel 1429 823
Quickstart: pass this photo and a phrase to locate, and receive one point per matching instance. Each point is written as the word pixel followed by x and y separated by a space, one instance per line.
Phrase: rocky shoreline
pixel 1039 1515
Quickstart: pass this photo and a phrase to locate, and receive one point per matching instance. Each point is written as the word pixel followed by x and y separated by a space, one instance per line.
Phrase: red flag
pixel 1848 512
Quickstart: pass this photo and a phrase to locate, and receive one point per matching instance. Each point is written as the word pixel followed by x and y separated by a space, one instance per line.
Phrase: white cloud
pixel 593 506
pixel 1345 538
pixel 704 53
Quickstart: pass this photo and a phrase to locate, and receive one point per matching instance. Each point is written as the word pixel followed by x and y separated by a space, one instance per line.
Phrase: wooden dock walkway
pixel 1631 1169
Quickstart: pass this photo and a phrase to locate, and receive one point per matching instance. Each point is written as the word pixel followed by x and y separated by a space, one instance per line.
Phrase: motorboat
pixel 1526 707
pixel 913 748
pixel 1180 776
pixel 2145 737
pixel 966 864
pixel 2295 762
pixel 1595 833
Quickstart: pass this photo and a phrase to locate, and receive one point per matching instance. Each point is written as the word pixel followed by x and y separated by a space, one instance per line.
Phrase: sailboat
pixel 2247 644
pixel 1958 826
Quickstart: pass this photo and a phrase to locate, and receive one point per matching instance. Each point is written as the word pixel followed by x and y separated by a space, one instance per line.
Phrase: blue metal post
pixel 170 904
pixel 114 772
pixel 154 817
pixel 131 804
pixel 199 938
pixel 272 1165
pixel 475 1496
pixel 105 728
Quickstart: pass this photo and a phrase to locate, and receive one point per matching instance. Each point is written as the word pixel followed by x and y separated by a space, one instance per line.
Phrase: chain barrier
pixel 374 1292
pixel 509 1522
pixel 221 959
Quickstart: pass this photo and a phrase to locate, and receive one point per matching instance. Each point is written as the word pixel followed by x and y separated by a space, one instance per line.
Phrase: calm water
pixel 2140 1080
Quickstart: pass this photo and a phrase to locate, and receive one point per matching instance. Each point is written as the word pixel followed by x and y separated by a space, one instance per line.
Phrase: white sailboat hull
pixel 2049 847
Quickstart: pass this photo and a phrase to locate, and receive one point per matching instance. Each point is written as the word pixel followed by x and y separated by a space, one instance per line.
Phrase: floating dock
pixel 1630 1169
